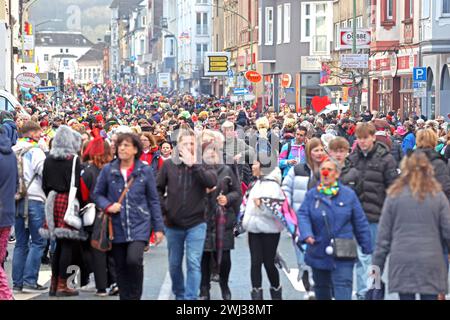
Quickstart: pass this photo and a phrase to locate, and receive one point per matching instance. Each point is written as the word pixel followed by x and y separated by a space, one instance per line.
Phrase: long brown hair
pixel 101 160
pixel 310 146
pixel 418 175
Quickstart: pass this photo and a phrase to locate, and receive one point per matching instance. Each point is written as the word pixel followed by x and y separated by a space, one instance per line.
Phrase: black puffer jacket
pixel 230 187
pixel 377 171
pixel 350 177
pixel 441 170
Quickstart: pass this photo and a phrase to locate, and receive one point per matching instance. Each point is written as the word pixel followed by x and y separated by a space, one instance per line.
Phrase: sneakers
pixel 114 291
pixel 309 295
pixel 215 277
pixel 12 239
pixel 101 293
pixel 45 260
pixel 17 289
pixel 34 289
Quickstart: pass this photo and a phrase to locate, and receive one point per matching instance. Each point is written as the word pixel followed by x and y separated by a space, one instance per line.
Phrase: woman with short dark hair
pixel 132 220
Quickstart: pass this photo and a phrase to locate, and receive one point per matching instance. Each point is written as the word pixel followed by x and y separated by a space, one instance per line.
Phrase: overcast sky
pixel 92 16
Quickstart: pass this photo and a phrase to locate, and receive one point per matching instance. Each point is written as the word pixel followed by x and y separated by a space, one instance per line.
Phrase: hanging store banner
pixel 217 63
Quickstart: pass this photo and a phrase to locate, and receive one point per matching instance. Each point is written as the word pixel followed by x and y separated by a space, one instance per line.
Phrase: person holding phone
pixel 182 185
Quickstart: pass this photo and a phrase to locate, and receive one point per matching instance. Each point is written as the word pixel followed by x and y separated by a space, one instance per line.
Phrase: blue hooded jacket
pixel 8 182
pixel 141 210
pixel 346 219
pixel 10 130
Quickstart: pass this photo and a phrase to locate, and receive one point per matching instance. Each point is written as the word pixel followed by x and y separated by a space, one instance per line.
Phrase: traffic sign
pixel 46 89
pixel 420 74
pixel 217 63
pixel 230 73
pixel 420 93
pixel 419 84
pixel 355 61
pixel 286 80
pixel 353 92
pixel 240 91
pixel 247 97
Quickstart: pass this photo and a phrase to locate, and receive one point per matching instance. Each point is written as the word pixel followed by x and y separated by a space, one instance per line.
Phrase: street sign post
pixel 355 61
pixel 240 91
pixel 46 89
pixel 420 74
pixel 217 64
pixel 164 80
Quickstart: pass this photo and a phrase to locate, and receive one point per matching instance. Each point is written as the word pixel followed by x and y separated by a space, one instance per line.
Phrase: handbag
pixel 103 233
pixel 88 214
pixel 340 248
pixel 72 215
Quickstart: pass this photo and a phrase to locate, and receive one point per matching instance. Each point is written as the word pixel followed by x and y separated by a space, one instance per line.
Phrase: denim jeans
pixel 337 283
pixel 364 263
pixel 194 240
pixel 412 296
pixel 27 255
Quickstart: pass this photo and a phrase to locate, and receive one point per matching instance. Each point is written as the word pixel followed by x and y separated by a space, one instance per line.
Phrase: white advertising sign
pixel 28 80
pixel 164 80
pixel 363 38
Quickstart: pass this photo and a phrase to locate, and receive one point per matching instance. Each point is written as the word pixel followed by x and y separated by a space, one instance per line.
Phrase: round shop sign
pixel 253 76
pixel 286 80
pixel 394 64
pixel 28 80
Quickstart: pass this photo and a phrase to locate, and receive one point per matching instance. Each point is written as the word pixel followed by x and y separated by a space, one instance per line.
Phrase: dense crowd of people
pixel 197 172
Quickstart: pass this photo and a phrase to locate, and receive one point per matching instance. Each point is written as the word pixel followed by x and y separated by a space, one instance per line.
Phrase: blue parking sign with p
pixel 420 74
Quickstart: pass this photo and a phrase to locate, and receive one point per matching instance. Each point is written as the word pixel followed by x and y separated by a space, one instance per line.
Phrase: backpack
pixel 22 189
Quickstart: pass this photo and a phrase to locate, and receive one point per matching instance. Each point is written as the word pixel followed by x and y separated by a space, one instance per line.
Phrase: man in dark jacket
pixel 378 169
pixel 185 181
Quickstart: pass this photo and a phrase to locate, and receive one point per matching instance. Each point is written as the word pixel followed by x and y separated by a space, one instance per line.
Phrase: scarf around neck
pixel 328 190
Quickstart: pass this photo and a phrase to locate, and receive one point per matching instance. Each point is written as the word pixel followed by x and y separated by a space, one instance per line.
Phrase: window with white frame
pixel 344 24
pixel 426 8
pixel 287 22
pixel 321 38
pixel 390 9
pixel 46 56
pixel 269 26
pixel 259 26
pixel 279 24
pixel 350 23
pixel 337 35
pixel 446 7
pixel 202 23
pixel 359 22
pixel 306 22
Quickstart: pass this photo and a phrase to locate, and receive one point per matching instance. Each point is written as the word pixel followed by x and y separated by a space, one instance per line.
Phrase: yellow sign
pixel 217 63
pixel 215 59
pixel 218 69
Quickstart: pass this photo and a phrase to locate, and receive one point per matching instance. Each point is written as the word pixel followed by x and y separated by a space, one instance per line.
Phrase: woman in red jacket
pixel 151 154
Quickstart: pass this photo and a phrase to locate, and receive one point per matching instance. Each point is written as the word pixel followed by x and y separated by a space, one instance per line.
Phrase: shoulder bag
pixel 103 233
pixel 339 248
pixel 72 215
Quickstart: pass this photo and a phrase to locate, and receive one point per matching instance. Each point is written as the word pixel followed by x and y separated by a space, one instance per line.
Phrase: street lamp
pixel 47 21
pixel 249 25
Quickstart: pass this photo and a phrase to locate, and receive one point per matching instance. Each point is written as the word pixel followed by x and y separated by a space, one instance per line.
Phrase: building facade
pixel 435 55
pixel 90 66
pixel 194 24
pixel 292 35
pixel 59 51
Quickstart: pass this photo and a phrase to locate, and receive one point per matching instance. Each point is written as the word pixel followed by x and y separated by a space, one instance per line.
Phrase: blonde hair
pixel 263 125
pixel 426 139
pixel 418 175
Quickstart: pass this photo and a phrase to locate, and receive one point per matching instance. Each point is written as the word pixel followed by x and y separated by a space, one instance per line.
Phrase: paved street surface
pixel 157 284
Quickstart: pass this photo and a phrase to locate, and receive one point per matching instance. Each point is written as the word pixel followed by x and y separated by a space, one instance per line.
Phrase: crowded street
pixel 142 160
